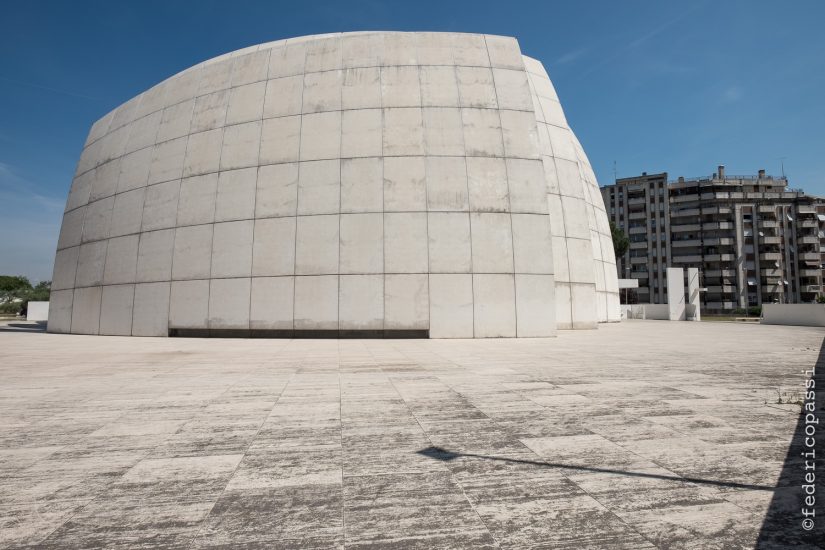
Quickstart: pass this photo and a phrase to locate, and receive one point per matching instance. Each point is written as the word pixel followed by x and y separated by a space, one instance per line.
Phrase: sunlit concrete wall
pixel 347 182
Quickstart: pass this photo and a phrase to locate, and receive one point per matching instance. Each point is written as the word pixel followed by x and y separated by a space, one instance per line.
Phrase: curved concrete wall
pixel 357 181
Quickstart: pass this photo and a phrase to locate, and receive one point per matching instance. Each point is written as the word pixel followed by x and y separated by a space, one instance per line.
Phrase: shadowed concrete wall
pixel 357 181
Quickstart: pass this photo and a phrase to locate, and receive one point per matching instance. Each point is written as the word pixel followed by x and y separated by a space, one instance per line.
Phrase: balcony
pixel 684 228
pixel 639 260
pixel 685 243
pixel 639 275
pixel 687 259
pixel 810 239
pixel 637 216
pixel 768 223
pixel 637 230
pixel 806 272
pixel 771 272
pixel 685 213
pixel 806 209
pixel 638 245
pixel 767 210
pixel 770 256
pixel 772 289
pixel 770 239
pixel 717 225
pixel 808 223
pixel 636 201
pixel 719 241
pixel 715 273
pixel 720 257
pixel 811 288
pixel 809 256
pixel 721 289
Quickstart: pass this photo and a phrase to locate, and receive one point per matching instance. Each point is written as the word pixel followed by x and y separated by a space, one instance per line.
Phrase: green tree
pixel 620 241
pixel 16 291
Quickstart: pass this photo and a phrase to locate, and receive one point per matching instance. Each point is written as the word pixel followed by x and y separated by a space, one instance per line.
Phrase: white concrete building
pixel 376 183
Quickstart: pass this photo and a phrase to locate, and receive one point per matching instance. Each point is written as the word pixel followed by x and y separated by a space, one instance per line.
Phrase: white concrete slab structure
pixel 676 293
pixel 379 182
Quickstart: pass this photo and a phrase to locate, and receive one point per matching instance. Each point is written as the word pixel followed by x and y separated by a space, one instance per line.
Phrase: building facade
pixel 373 183
pixel 753 238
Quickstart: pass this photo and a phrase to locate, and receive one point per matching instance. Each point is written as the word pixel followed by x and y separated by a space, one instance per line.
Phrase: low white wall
pixel 37 311
pixel 812 315
pixel 659 312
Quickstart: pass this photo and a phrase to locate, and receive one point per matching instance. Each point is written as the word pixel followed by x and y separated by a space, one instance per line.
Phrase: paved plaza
pixel 644 434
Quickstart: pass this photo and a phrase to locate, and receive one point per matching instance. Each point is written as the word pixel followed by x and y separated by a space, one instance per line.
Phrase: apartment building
pixel 753 238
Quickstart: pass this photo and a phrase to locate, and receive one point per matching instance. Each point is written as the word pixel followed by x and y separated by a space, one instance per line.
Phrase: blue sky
pixel 650 84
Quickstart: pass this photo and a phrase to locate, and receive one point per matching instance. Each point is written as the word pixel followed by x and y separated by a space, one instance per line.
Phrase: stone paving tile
pixel 637 435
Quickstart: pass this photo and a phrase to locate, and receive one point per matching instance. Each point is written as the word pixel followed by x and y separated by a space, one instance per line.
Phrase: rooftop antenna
pixel 782 165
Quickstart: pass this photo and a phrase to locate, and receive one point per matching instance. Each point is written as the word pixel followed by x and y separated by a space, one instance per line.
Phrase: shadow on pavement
pixel 785 524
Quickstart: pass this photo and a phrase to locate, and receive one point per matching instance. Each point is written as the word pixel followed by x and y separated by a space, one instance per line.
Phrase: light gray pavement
pixel 581 441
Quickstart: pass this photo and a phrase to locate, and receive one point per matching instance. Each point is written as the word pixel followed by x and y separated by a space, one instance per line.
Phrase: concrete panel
pixel 229 303
pixel 251 67
pixel 209 111
pixel 155 256
pixel 323 54
pixel 104 180
pixel 504 52
pixel 240 145
pixel 271 303
pixel 80 191
pixel 203 153
pixel 90 263
pixel 283 96
pixel 512 90
pixel 167 160
pixel 197 200
pixel 476 87
pixel 561 267
pixel 134 170
pixel 694 298
pixel 447 184
pixel 362 243
pixel 482 133
pixel 113 145
pixel 403 132
pixel 439 87
pixel 487 184
pixel 494 306
pixel 150 315
pixel 399 49
pixel 576 225
pixel 406 302
pixel 361 185
pixel 362 49
pixel 277 190
pixel 189 304
pixel 142 132
pixel 470 50
pixel 400 86
pixel 492 243
pixel 236 195
pixel 580 261
pixel 116 310
pixel 322 92
pixel 60 311
pixel 71 229
pixel 316 303
pixel 86 310
pixel 317 245
pixel 246 103
pixel 273 252
pixel 215 76
pixel 535 307
pixel 127 213
pixel 583 299
pixel 121 260
pixel 405 184
pixel 443 131
pixel 160 206
pixel 532 244
pixel 449 242
pixel 321 136
pixel 562 143
pixel 520 134
pixel 451 306
pixel 319 187
pixel 810 315
pixel 280 140
pixel 192 252
pixel 361 302
pixel 181 87
pixel 232 249
pixel 361 88
pixel 405 242
pixel 433 48
pixel 65 268
pixel 287 60
pixel 528 190
pixel 675 293
pixel 569 178
pixel 361 133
